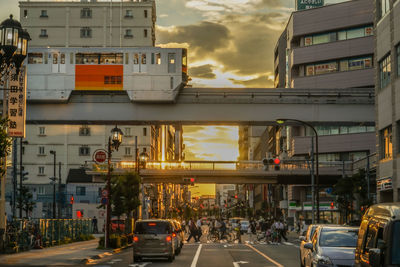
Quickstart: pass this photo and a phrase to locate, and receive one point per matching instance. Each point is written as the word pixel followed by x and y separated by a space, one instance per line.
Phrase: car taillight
pixel 135 239
pixel 173 235
pixel 168 238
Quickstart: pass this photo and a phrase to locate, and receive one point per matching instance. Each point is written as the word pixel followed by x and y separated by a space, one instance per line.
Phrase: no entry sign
pixel 100 156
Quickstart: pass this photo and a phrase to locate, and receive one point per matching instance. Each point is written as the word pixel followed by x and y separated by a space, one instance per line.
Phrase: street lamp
pixel 22 173
pixel 143 158
pixel 114 141
pixel 282 121
pixel 53 152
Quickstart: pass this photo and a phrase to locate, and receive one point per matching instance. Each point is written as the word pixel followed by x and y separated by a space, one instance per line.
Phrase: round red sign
pixel 100 156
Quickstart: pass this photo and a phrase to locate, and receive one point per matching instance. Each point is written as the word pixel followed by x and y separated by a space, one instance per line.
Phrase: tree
pixel 5 144
pixel 25 201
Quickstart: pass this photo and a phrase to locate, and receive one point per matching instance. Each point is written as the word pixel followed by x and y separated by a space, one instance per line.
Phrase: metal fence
pixel 27 234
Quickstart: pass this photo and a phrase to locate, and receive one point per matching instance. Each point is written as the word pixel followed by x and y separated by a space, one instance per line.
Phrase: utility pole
pixel 59 191
pixel 14 174
pixel 312 182
pixel 21 177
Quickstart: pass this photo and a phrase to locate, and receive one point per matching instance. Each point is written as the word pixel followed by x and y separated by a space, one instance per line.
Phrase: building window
pixel 80 191
pixel 384 71
pixel 86 32
pixel 152 58
pixel 41 190
pixel 86 13
pixel 128 14
pixel 43 33
pixel 342 65
pixel 386 143
pixel 41 170
pixel 35 58
pixel 127 132
pixel 25 13
pixel 42 130
pixel 84 151
pixel 84 131
pixel 128 151
pixel 112 79
pixel 43 14
pixel 144 131
pixel 128 33
pixel 158 58
pixel 171 81
pixel 145 33
pixel 145 13
pixel 41 150
pixel 385 7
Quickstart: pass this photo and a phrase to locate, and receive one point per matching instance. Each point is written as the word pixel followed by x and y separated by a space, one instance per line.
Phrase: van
pixel 378 242
pixel 153 239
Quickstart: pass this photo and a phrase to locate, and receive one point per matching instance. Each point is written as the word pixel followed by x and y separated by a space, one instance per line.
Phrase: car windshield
pixel 157 228
pixel 338 237
pixel 396 243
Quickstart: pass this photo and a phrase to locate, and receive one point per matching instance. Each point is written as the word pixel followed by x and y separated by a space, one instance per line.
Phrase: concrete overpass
pixel 229 172
pixel 206 106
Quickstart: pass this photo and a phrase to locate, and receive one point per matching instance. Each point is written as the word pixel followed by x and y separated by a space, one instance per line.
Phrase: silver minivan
pixel 153 239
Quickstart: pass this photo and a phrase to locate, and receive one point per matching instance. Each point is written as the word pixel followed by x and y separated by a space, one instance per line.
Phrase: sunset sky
pixel 230 44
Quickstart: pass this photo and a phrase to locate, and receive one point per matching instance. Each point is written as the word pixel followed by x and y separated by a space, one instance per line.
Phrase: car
pixel 332 246
pixel 305 239
pixel 378 241
pixel 178 236
pixel 153 239
pixel 244 226
pixel 117 225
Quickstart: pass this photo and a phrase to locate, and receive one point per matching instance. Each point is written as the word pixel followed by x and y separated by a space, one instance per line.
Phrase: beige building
pixel 387 97
pixel 89 23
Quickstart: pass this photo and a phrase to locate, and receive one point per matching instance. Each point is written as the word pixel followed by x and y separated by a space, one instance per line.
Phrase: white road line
pixel 265 256
pixel 196 256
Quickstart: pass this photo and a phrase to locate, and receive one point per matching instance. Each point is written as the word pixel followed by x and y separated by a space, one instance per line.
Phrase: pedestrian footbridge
pixel 228 172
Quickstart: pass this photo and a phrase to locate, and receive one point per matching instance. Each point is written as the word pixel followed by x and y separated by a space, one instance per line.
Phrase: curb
pixel 104 254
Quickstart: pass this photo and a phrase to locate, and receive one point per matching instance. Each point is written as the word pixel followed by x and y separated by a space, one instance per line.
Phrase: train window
pixel 71 58
pixel 55 58
pixel 46 58
pixel 126 58
pixel 35 58
pixel 96 58
pixel 62 58
pixel 143 58
pixel 136 59
pixel 158 58
pixel 152 58
pixel 111 58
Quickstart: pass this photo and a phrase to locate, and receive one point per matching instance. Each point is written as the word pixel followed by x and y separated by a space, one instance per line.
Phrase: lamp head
pixel 9 30
pixel 52 152
pixel 116 137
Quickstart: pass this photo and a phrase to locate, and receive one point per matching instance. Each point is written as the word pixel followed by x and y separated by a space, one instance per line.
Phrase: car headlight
pixel 324 260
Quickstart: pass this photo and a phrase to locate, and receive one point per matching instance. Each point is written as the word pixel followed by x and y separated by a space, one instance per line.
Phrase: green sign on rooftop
pixel 307 4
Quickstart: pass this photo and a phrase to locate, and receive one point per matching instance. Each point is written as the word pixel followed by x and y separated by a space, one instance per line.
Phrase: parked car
pixel 332 246
pixel 244 226
pixel 153 238
pixel 306 239
pixel 117 225
pixel 379 237
pixel 178 236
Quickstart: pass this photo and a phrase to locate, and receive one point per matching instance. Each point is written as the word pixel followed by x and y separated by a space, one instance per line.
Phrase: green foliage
pixel 25 201
pixel 5 143
pixel 125 194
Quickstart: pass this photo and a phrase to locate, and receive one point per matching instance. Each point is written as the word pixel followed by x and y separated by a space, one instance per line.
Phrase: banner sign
pixel 307 4
pixel 17 103
pixel 384 184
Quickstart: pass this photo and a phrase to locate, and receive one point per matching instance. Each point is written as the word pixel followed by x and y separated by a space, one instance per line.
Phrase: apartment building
pixel 89 23
pixel 387 93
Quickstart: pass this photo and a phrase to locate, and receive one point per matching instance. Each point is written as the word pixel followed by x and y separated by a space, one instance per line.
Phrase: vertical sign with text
pixel 17 103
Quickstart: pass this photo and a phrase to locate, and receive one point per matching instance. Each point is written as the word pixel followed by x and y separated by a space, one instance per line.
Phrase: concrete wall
pixel 108 23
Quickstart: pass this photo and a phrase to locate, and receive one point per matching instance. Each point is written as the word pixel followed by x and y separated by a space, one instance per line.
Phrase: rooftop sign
pixel 307 4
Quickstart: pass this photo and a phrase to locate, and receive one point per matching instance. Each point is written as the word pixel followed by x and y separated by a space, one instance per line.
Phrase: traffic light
pixel 236 196
pixel 189 180
pixel 24 174
pixel 276 162
pixel 332 205
pixel 71 200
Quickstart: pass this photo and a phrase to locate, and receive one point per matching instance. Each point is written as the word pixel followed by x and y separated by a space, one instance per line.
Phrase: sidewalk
pixel 70 254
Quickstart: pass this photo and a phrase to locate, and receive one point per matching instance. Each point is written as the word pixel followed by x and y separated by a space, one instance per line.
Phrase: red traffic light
pixel 192 180
pixel 332 205
pixel 236 196
pixel 277 161
pixel 71 201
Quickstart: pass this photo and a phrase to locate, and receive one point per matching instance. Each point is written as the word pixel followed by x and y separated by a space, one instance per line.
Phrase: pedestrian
pixel 199 230
pixel 94 225
pixel 282 230
pixel 222 229
pixel 192 230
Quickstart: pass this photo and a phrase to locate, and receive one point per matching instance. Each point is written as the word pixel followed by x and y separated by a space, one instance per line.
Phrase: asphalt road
pixel 221 255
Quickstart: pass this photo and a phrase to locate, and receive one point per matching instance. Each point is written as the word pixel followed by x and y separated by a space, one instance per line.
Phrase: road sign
pixel 100 156
pixel 104 193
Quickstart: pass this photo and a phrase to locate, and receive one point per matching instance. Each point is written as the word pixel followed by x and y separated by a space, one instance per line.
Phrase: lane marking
pixel 196 257
pixel 265 256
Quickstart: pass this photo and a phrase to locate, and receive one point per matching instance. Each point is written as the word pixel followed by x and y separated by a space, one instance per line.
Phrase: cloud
pixel 163 15
pixel 260 81
pixel 203 71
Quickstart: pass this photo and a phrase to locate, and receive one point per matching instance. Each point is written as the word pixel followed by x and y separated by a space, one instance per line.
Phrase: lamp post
pixel 314 187
pixel 53 152
pixel 114 141
pixel 21 173
pixel 143 158
pixel 13 51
